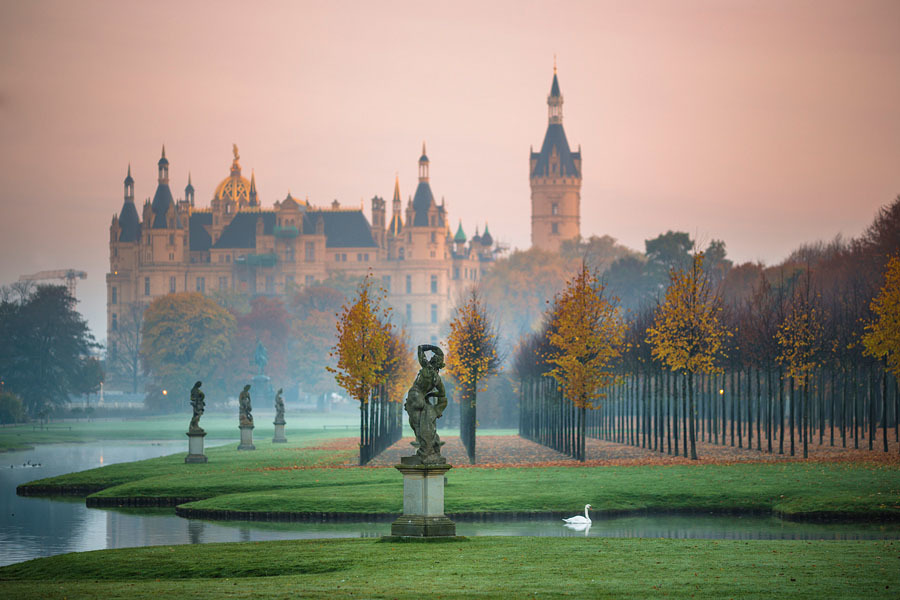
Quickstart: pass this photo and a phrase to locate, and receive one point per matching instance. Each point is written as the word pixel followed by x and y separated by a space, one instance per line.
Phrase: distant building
pixel 236 245
pixel 555 174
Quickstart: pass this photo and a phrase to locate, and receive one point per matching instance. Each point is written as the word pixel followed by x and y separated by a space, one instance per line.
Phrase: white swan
pixel 579 519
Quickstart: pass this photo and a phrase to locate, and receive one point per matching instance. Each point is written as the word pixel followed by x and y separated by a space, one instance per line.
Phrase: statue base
pixel 423 503
pixel 246 438
pixel 279 434
pixel 195 447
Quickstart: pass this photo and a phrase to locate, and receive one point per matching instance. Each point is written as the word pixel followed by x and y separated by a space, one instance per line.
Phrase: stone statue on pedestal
pixel 244 408
pixel 261 357
pixel 423 413
pixel 198 405
pixel 279 408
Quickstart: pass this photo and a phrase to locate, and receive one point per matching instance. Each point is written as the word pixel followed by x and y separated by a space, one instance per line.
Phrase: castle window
pixel 171 239
pixel 402 253
pixel 310 279
pixel 223 284
pixel 366 256
pixel 115 252
pixel 337 258
pixel 228 258
pixel 289 254
pixel 343 258
pixel 409 284
pixel 310 251
pixel 409 313
pixel 386 283
pixel 114 293
pixel 171 285
pixel 434 284
pixel 288 282
pixel 171 256
pixel 431 220
pixel 554 228
pixel 201 284
pixel 434 313
pixel 359 257
pixel 433 237
pixel 554 209
pixel 270 284
pixel 433 254
pixel 455 272
pixel 115 322
pixel 146 286
pixel 409 238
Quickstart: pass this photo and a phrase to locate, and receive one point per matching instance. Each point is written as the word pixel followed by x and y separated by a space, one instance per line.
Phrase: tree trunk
pixel 691 414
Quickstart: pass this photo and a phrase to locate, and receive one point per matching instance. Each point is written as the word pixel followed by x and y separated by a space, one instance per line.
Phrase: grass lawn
pixel 282 479
pixel 511 567
pixel 170 427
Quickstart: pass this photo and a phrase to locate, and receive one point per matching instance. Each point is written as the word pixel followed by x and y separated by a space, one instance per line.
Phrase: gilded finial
pixel 423 147
pixel 235 150
pixel 554 63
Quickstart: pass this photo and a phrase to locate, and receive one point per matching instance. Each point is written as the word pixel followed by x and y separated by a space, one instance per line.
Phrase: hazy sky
pixel 763 123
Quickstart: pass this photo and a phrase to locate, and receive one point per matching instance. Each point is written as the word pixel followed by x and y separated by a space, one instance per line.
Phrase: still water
pixel 35 527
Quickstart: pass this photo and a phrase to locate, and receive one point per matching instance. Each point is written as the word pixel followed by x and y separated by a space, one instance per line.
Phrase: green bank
pixel 290 482
pixel 475 567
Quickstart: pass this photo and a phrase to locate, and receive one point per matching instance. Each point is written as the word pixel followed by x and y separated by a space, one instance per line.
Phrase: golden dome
pixel 234 187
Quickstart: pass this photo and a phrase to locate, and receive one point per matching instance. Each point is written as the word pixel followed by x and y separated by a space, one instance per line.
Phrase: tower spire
pixel 423 165
pixel 189 191
pixel 129 186
pixel 163 165
pixel 555 99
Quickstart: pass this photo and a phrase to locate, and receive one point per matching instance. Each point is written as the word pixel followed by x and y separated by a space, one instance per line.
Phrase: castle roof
pixel 343 229
pixel 162 200
pixel 422 201
pixel 129 223
pixel 460 236
pixel 555 139
pixel 241 232
pixel 199 238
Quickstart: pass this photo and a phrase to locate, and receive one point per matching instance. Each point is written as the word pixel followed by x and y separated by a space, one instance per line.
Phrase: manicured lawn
pixel 278 479
pixel 510 567
pixel 170 427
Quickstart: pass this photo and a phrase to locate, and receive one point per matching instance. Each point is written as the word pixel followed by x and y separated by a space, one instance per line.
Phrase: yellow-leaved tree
pixel 799 339
pixel 361 348
pixel 882 337
pixel 585 336
pixel 687 333
pixel 471 358
pixel 185 337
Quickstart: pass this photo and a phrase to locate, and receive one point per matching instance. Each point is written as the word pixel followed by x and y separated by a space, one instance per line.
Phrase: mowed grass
pixel 170 427
pixel 508 567
pixel 278 479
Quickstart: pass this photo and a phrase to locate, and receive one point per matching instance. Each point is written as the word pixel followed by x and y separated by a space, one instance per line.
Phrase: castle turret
pixel 189 192
pixel 129 224
pixel 555 174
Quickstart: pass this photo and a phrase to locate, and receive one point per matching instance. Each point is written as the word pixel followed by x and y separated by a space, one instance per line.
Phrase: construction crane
pixel 70 275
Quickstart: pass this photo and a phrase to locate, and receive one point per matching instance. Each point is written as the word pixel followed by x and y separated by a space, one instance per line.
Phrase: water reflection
pixel 35 527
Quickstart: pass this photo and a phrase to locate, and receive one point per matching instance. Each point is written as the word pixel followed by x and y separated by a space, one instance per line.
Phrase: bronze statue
pixel 198 405
pixel 423 414
pixel 261 357
pixel 244 408
pixel 279 408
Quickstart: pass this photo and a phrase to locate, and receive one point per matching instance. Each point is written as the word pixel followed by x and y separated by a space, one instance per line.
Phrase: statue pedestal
pixel 195 447
pixel 423 503
pixel 279 433
pixel 246 438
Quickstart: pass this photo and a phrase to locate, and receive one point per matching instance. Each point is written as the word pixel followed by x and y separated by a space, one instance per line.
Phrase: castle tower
pixel 189 192
pixel 555 174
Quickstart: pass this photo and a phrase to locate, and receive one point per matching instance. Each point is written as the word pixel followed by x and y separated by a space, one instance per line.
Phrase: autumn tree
pixel 882 337
pixel 361 349
pixel 687 334
pixel 471 359
pixel 185 337
pixel 314 314
pixel 585 335
pixel 799 339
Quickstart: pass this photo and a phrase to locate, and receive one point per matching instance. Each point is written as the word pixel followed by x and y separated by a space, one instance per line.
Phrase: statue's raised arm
pixel 423 348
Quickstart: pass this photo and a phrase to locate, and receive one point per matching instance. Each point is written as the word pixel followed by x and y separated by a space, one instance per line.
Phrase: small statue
pixel 279 408
pixel 244 408
pixel 423 414
pixel 261 357
pixel 198 405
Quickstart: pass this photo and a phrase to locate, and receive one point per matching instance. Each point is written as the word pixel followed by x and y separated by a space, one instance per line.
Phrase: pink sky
pixel 766 124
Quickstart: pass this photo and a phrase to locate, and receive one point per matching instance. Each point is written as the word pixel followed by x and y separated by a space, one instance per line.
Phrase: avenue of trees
pixel 745 356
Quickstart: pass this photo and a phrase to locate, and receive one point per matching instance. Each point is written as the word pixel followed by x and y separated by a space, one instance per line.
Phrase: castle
pixel 237 246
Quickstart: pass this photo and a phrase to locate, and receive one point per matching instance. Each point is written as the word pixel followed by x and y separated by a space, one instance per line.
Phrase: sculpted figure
pixel 279 408
pixel 261 357
pixel 423 412
pixel 244 407
pixel 198 405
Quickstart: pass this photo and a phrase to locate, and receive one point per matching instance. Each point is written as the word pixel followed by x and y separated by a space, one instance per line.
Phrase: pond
pixel 34 527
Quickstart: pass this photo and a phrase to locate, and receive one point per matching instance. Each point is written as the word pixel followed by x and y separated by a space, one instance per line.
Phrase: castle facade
pixel 236 245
